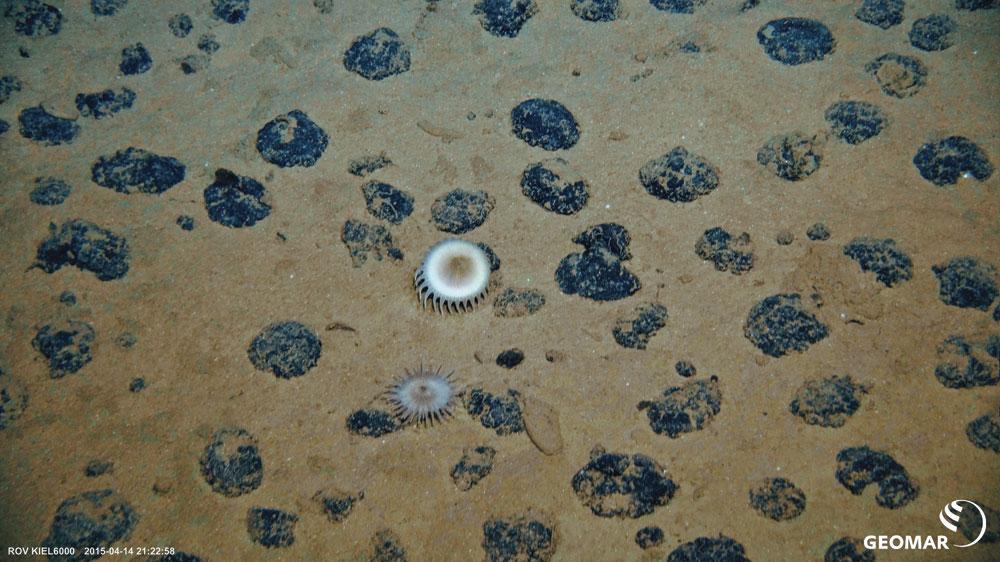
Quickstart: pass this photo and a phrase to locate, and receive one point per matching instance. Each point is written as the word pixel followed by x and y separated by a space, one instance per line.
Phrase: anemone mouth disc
pixel 423 396
pixel 453 277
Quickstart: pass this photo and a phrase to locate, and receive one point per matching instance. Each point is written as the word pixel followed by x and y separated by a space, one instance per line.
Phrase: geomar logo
pixel 949 517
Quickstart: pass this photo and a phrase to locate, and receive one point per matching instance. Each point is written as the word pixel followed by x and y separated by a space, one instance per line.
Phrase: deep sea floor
pixel 742 279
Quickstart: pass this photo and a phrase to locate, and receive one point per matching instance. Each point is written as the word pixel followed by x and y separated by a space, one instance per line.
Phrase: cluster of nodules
pixel 231 464
pixel 501 412
pixel 622 485
pixel 294 139
pixel 780 323
pixel 232 200
pixel 796 155
pixel 611 484
pixel 34 18
pixel 681 176
pixel 634 485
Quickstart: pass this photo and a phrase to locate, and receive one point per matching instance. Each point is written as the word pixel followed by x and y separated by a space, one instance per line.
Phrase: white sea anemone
pixel 453 277
pixel 423 396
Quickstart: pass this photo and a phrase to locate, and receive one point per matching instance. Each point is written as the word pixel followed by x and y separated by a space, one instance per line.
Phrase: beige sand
pixel 196 299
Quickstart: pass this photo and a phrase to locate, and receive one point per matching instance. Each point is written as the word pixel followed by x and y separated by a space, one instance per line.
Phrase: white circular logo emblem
pixel 950 514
